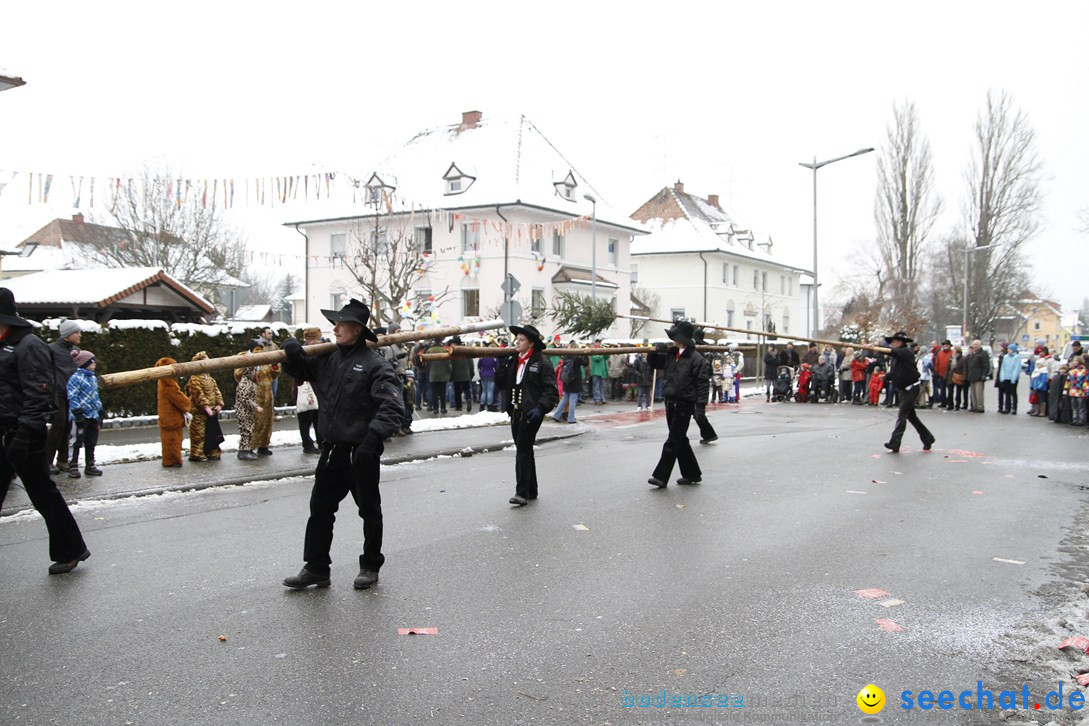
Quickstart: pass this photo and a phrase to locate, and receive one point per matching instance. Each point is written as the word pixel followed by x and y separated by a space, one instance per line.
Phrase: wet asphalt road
pixel 601 590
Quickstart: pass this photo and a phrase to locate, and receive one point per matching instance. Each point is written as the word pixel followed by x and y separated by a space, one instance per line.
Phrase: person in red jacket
pixel 877 384
pixel 941 369
pixel 858 378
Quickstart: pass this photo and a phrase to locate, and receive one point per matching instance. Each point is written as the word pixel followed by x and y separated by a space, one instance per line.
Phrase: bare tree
pixel 174 224
pixel 1002 209
pixel 650 301
pixel 905 211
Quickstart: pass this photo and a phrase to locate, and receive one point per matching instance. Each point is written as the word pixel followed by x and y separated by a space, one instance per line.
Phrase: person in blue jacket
pixel 1009 373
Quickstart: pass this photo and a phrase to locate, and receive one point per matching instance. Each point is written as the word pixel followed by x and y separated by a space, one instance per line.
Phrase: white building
pixel 704 265
pixel 454 210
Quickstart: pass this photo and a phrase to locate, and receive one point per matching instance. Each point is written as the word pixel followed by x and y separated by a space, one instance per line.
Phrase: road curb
pixel 569 432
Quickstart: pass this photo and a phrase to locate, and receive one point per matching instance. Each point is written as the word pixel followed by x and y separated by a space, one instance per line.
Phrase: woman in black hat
pixel 26 405
pixel 904 377
pixel 686 387
pixel 530 384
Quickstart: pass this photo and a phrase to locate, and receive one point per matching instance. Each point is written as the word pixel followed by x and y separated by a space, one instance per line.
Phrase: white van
pixel 1068 349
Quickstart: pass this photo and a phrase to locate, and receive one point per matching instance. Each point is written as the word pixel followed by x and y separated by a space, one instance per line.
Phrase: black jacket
pixel 65 366
pixel 979 366
pixel 684 376
pixel 574 373
pixel 902 369
pixel 357 392
pixel 538 382
pixel 790 358
pixel 27 381
pixel 772 361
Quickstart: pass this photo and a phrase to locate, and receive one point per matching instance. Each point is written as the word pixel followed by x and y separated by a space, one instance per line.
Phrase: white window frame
pixel 558 242
pixel 613 250
pixel 465 302
pixel 338 240
pixel 468 234
pixel 634 273
pixel 676 314
pixel 425 239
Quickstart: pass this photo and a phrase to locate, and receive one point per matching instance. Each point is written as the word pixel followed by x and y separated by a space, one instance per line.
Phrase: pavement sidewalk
pixel 145 478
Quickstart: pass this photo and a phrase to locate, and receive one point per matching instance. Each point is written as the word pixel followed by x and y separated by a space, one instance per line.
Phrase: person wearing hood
pixel 1009 373
pixel 173 416
pixel 245 404
pixel 85 411
pixel 904 378
pixel 60 430
pixel 685 386
pixel 362 405
pixel 27 402
pixel 529 381
pixel 266 377
pixel 205 434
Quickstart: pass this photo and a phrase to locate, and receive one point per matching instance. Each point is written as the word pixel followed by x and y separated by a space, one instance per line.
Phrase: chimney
pixel 712 199
pixel 679 187
pixel 470 119
pixel 77 218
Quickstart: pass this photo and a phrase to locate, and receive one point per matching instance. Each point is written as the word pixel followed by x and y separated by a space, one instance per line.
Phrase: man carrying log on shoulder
pixel 685 387
pixel 360 406
pixel 904 377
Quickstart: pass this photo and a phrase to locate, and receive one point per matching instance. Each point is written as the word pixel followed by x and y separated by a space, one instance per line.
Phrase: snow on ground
pixel 152 451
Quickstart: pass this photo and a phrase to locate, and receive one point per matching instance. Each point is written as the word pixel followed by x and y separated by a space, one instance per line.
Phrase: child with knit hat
pixel 85 411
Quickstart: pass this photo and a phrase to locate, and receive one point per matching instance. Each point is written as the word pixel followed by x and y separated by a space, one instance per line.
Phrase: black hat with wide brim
pixel 354 312
pixel 683 332
pixel 530 332
pixel 8 316
pixel 899 335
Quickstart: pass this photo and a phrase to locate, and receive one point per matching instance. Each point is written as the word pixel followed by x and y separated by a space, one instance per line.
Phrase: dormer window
pixel 566 187
pixel 378 190
pixel 456 180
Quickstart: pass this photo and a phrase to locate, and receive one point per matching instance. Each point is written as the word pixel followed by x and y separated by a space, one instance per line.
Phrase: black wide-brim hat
pixel 354 312
pixel 8 315
pixel 530 332
pixel 899 335
pixel 682 332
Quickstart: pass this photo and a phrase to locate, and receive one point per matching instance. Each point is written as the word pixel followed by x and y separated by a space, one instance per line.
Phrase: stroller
pixel 783 387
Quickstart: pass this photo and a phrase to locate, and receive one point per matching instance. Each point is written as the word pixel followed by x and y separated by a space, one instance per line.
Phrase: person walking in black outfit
pixel 64 347
pixel 529 381
pixel 904 379
pixel 685 386
pixel 27 401
pixel 707 431
pixel 359 407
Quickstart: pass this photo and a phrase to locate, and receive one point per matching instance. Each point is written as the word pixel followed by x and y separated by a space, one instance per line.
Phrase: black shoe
pixel 73 473
pixel 893 449
pixel 711 440
pixel 928 444
pixel 311 450
pixel 365 579
pixel 62 465
pixel 59 568
pixel 656 483
pixel 519 500
pixel 305 579
pixel 683 480
pixel 263 451
pixel 469 408
pixel 92 470
pixel 406 431
pixel 246 455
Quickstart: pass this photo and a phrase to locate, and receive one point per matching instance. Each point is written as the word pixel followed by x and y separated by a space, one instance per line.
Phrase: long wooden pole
pixel 468 351
pixel 764 333
pixel 247 360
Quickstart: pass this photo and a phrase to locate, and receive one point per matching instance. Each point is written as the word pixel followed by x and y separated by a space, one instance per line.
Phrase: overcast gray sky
pixel 727 97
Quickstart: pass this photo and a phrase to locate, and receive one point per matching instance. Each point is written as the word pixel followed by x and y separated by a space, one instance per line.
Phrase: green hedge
pixel 131 344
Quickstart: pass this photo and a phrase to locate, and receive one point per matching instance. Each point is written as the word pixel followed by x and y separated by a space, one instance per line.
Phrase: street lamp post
pixel 593 247
pixel 964 318
pixel 815 322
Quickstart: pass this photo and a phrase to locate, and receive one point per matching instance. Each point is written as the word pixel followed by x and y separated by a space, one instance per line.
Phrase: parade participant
pixel 685 386
pixel 245 405
pixel 85 410
pixel 360 406
pixel 60 429
pixel 530 384
pixel 267 376
pixel 173 416
pixel 206 403
pixel 397 355
pixel 904 376
pixel 707 431
pixel 27 399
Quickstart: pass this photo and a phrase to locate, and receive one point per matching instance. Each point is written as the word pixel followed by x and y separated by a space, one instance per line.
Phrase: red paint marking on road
pixel 1083 679
pixel 417 631
pixel 977 491
pixel 966 454
pixel 958 461
pixel 876 456
pixel 611 420
pixel 1078 641
pixel 889 626
pixel 872 593
pixel 878 481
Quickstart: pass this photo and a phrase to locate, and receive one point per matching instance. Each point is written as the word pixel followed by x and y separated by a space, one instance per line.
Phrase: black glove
pixel 399 356
pixel 661 347
pixel 19 447
pixel 78 416
pixel 293 350
pixel 533 415
pixel 367 453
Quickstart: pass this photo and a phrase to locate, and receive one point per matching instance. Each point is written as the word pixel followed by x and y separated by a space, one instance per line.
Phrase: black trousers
pixel 677 449
pixel 308 419
pixel 84 437
pixel 707 431
pixel 65 540
pixel 905 415
pixel 334 477
pixel 463 391
pixel 1007 396
pixel 60 431
pixel 438 396
pixel 525 466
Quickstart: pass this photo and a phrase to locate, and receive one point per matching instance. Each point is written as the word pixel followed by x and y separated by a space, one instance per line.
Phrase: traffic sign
pixel 511 313
pixel 510 285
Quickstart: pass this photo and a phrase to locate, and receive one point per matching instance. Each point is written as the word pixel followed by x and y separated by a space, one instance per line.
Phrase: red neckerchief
pixel 5 333
pixel 680 351
pixel 523 359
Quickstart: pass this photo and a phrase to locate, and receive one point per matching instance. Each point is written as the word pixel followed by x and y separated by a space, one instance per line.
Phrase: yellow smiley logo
pixel 871 699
